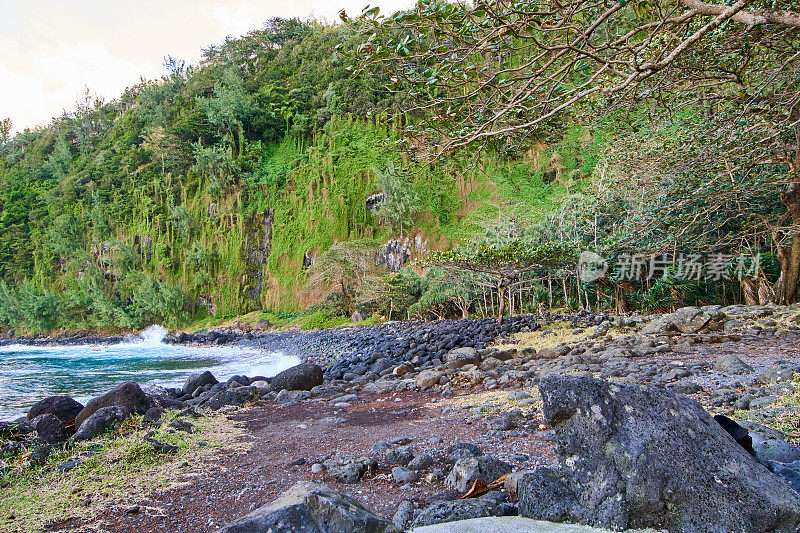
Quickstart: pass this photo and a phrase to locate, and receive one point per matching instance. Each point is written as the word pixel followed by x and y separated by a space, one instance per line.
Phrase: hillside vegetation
pixel 438 162
pixel 202 193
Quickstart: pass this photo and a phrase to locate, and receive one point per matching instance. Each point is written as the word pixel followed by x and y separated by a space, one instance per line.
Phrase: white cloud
pixel 51 50
pixel 236 20
pixel 40 83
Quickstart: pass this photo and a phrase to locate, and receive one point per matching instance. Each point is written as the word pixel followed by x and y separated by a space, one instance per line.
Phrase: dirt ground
pixel 237 480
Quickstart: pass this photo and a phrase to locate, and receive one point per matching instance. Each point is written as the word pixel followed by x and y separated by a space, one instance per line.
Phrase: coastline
pixel 743 363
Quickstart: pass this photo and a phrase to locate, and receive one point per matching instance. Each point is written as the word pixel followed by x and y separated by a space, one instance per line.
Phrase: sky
pixel 52 50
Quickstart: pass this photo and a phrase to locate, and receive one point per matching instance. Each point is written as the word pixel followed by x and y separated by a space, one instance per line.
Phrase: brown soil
pixel 236 482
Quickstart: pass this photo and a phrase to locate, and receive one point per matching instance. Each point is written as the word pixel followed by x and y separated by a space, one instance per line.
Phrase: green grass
pixel 787 421
pixel 280 320
pixel 119 469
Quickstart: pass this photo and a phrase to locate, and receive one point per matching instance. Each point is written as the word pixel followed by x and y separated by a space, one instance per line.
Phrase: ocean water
pixel 30 373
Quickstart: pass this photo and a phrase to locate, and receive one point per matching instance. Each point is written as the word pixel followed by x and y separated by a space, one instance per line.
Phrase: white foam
pixel 151 337
pixel 29 373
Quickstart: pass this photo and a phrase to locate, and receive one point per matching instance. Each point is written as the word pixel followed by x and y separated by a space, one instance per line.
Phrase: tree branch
pixel 749 17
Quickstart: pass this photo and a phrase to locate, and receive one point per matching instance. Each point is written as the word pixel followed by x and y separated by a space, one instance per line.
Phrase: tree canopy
pixel 502 69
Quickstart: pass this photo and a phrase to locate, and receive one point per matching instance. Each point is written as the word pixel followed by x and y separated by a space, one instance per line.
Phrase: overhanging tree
pixel 504 264
pixel 501 70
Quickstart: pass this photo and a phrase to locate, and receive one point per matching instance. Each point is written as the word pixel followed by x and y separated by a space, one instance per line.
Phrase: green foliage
pixel 218 166
pixel 494 256
pixel 400 201
pixel 38 310
pixel 5 131
pixel 436 298
pixel 323 320
pixel 206 189
pixel 391 295
pixel 10 312
pixel 153 301
pixel 228 109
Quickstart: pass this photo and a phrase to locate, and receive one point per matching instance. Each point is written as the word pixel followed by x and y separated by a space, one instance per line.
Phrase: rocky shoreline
pixel 643 389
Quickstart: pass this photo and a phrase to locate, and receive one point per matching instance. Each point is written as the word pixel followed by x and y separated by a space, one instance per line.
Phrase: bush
pixel 40 309
pixel 323 320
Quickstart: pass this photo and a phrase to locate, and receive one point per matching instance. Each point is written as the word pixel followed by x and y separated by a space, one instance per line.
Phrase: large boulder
pixel 545 495
pixel 350 468
pixel 195 381
pixel 462 450
pixel 101 421
pixel 658 326
pixel 382 386
pixel 127 395
pixel 428 378
pixel 633 456
pixel 730 364
pixel 788 471
pixel 776 450
pixel 63 407
pixel 12 430
pixel 285 397
pixel 311 508
pixel 402 475
pixel 304 376
pixel 49 428
pixel 458 357
pixel 688 320
pixel 237 397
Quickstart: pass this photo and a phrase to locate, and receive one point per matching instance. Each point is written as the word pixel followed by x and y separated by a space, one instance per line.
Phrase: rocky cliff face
pixel 256 249
pixel 396 253
pixel 374 201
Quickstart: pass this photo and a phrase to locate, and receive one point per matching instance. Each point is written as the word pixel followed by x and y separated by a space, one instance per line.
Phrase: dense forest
pixel 437 162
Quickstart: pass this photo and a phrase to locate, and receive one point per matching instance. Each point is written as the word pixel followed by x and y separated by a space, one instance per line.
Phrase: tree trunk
pixel 502 301
pixel 766 291
pixel 749 292
pixel 347 299
pixel 619 300
pixel 789 249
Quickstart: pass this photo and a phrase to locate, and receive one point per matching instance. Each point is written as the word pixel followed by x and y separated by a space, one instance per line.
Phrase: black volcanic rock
pixel 63 407
pixel 304 376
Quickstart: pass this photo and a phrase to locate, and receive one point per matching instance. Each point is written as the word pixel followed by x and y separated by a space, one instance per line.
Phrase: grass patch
pixel 118 470
pixel 786 418
pixel 323 320
pixel 551 335
pixel 488 403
